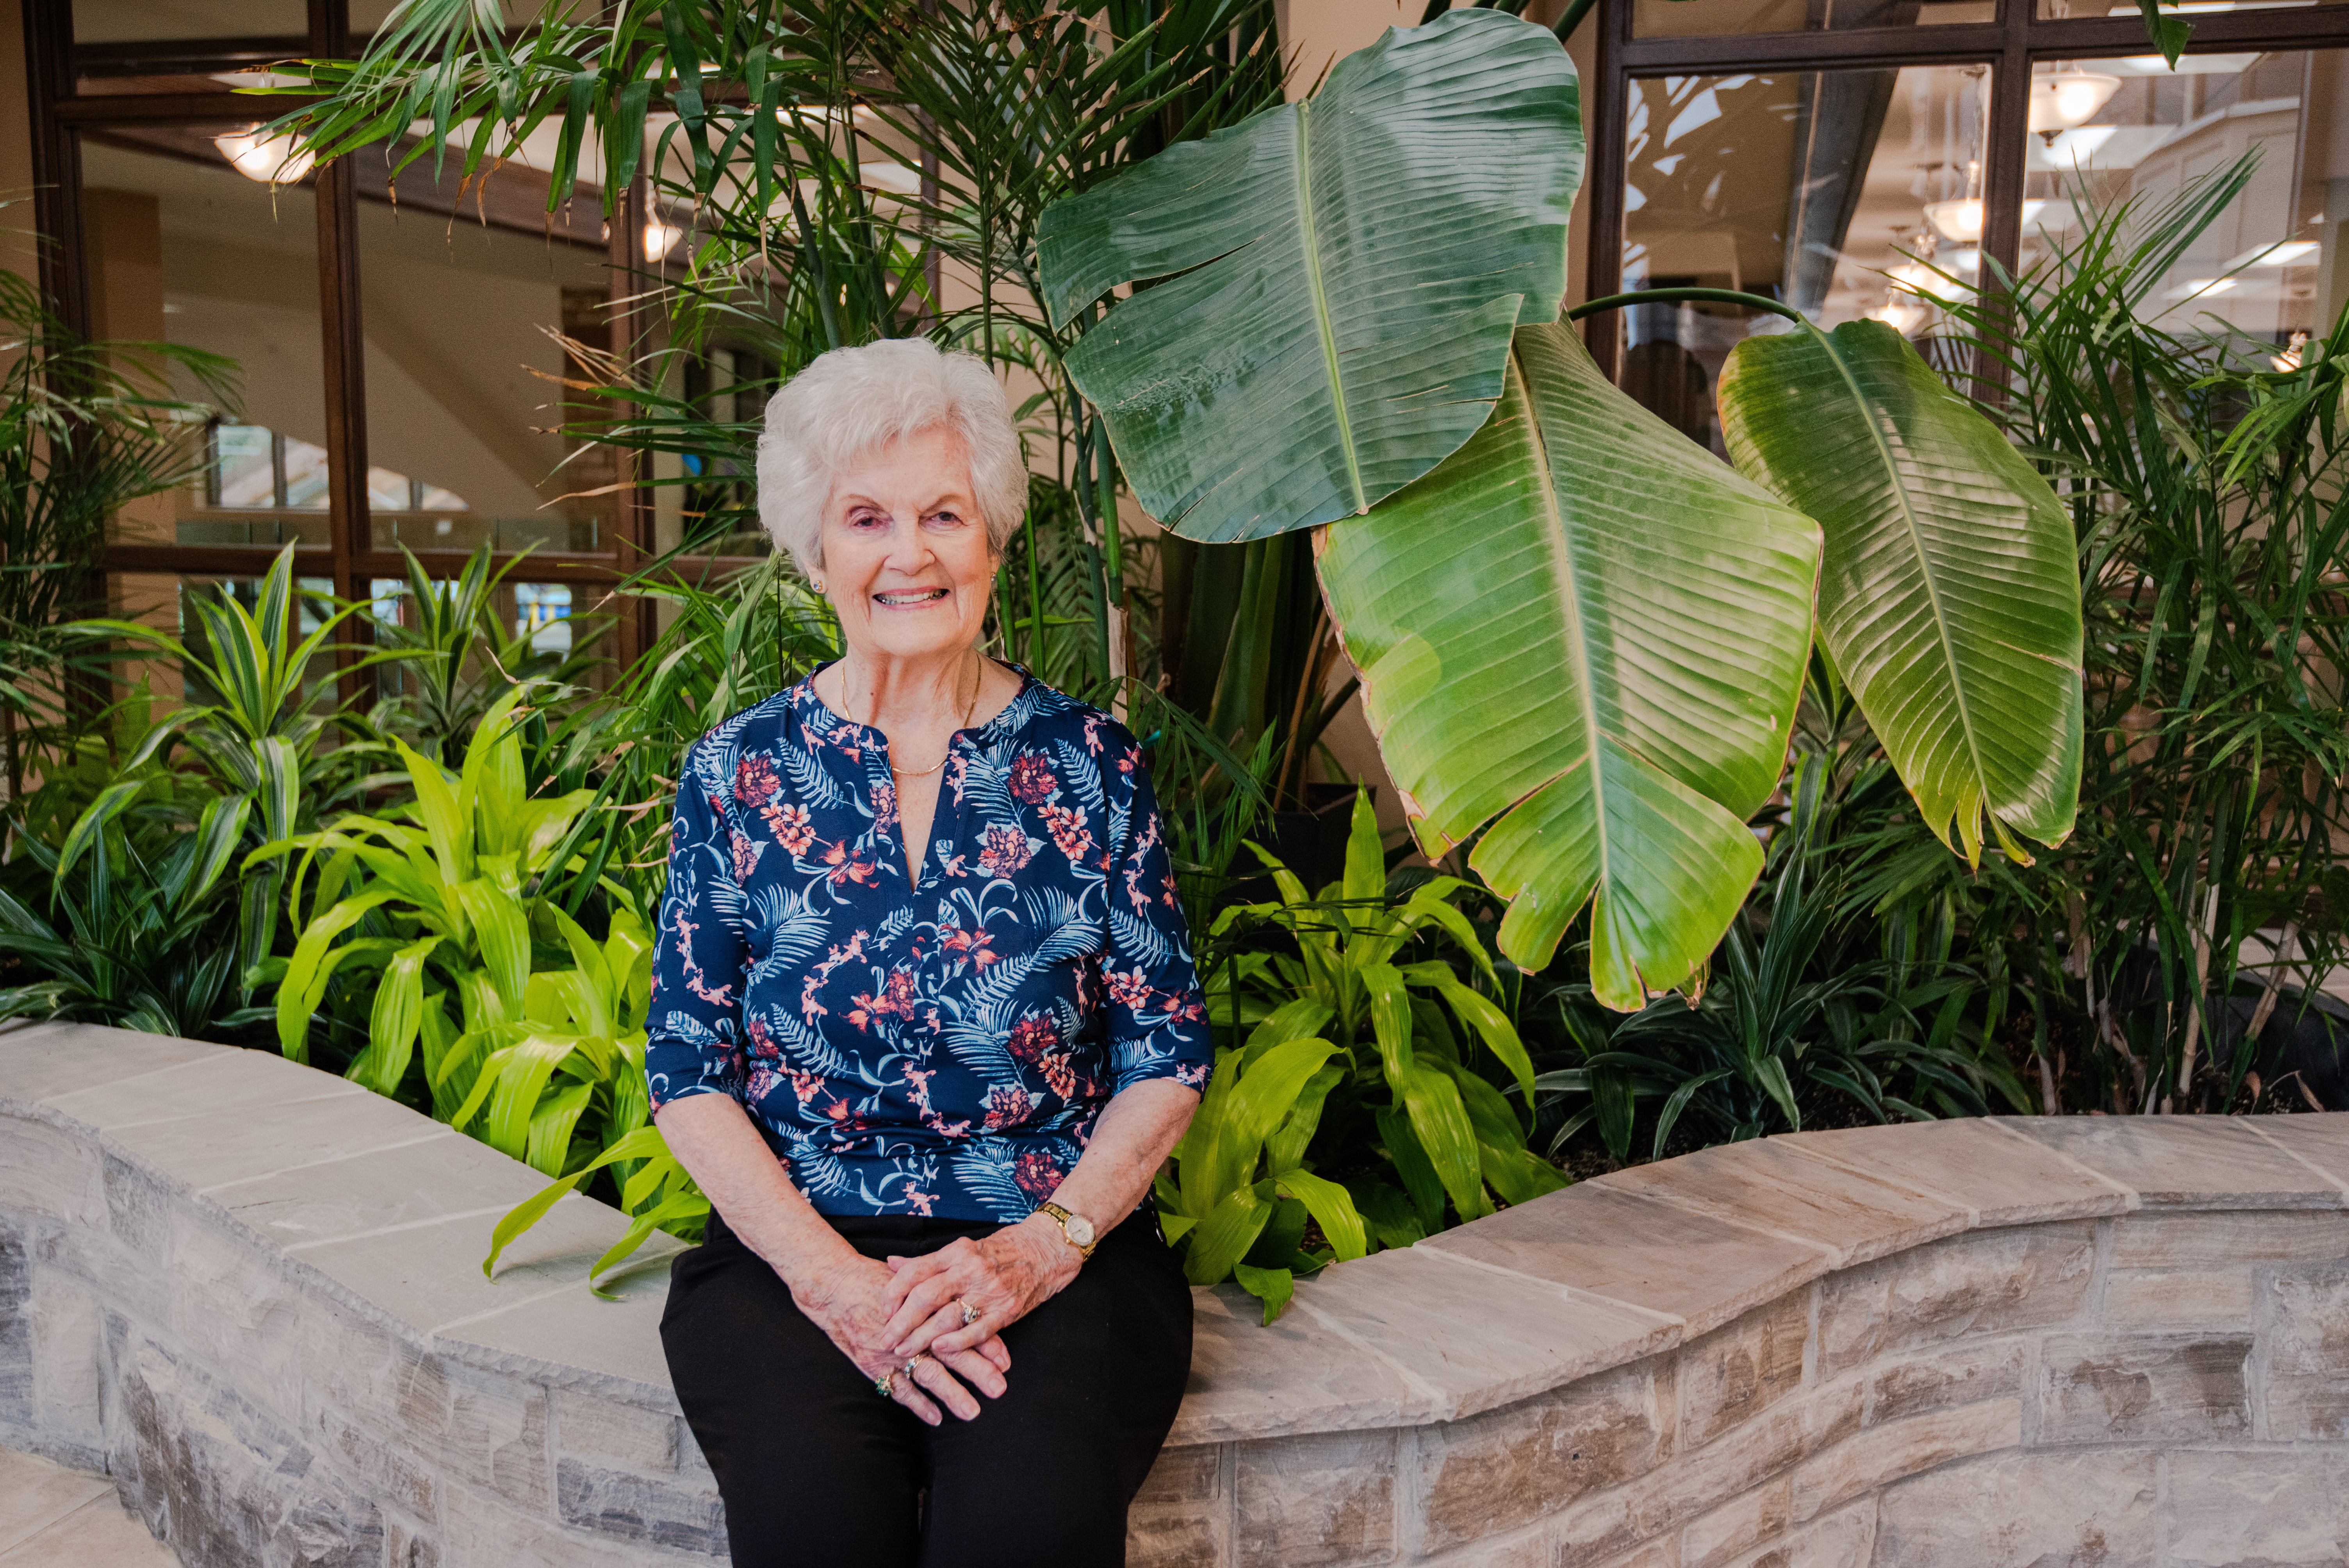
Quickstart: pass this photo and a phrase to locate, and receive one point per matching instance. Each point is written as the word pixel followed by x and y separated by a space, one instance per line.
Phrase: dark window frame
pixel 60 115
pixel 2009 45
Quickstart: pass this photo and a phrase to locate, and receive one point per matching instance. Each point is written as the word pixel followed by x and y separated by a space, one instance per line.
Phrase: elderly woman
pixel 924 1026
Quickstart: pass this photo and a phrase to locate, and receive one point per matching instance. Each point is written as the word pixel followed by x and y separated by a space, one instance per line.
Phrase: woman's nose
pixel 908 550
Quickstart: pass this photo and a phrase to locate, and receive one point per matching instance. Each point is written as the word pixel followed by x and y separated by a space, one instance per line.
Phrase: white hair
pixel 852 401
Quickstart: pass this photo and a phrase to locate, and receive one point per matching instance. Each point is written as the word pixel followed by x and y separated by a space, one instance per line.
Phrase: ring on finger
pixel 886 1385
pixel 970 1313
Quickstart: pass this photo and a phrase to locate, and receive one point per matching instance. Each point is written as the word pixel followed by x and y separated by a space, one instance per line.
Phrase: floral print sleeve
pixel 695 1044
pixel 942 1048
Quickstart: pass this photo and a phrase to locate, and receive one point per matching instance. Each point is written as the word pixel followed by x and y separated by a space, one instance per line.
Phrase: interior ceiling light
pixel 272 159
pixel 2067 98
pixel 2288 253
pixel 1902 315
pixel 2191 288
pixel 1961 220
pixel 659 238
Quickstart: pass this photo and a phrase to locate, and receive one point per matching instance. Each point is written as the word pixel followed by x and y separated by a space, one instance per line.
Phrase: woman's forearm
pixel 713 1138
pixel 1137 1129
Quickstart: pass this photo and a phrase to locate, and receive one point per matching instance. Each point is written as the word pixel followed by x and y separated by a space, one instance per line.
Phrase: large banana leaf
pixel 1949 598
pixel 1586 627
pixel 1360 259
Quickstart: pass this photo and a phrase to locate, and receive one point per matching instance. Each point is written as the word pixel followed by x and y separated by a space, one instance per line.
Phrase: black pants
pixel 816 1467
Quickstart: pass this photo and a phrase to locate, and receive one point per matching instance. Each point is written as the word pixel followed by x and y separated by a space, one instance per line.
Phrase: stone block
pixel 1408 1306
pixel 1841 1539
pixel 55 1058
pixel 1737 1370
pixel 16 1329
pixel 2308 1354
pixel 121 1278
pixel 1773 1185
pixel 138 1209
pixel 2024 1510
pixel 1967 1373
pixel 1180 1518
pixel 1976 1164
pixel 627 1507
pixel 1296 1376
pixel 2112 1389
pixel 323 1124
pixel 406 1548
pixel 65 1341
pixel 467 1424
pixel 1315 1501
pixel 1736 1527
pixel 1621 1245
pixel 222 1086
pixel 608 1431
pixel 48 1170
pixel 1699 1480
pixel 1655 1554
pixel 237 1305
pixel 1499 1472
pixel 480 1530
pixel 1985 1283
pixel 1896 1450
pixel 225 1483
pixel 389 1473
pixel 443 1175
pixel 2270 1507
pixel 2184 1162
pixel 2140 1300
pixel 2202 1242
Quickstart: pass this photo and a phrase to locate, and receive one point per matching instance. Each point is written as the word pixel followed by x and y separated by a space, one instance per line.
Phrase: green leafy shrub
pixel 1357 1097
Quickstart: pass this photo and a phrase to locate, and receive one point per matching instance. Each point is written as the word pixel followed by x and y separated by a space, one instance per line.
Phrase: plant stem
pixel 1575 13
pixel 1708 296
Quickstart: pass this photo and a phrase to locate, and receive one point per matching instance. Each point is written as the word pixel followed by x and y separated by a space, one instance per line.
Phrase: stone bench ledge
pixel 248 1209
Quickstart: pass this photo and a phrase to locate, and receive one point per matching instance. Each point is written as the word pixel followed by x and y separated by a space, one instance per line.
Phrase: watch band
pixel 1060 1217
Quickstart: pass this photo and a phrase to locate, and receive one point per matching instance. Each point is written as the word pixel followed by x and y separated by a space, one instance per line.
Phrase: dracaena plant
pixel 1372 1091
pixel 433 956
pixel 1581 640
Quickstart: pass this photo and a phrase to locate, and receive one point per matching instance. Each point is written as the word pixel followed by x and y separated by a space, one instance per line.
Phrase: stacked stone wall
pixel 251 1293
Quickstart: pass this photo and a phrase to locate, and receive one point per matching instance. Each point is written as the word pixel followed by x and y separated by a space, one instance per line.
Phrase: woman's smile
pixel 909 598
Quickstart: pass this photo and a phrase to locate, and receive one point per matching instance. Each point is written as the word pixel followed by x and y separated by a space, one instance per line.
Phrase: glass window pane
pixel 120 21
pixel 2057 9
pixel 183 247
pixel 1717 18
pixel 2268 267
pixel 463 316
pixel 1801 187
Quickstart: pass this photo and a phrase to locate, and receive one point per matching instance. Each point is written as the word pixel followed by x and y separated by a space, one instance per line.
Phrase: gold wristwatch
pixel 1075 1227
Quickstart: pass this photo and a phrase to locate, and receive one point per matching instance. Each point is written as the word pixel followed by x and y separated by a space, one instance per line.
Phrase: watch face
pixel 1081 1230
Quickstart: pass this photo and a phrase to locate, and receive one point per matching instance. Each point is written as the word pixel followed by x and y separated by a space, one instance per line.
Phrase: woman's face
pixel 905 558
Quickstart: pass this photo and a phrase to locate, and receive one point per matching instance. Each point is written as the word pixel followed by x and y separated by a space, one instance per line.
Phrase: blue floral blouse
pixel 941 1050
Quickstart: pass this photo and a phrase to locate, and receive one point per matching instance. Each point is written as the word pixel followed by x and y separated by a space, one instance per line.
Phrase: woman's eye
pixel 947 519
pixel 866 520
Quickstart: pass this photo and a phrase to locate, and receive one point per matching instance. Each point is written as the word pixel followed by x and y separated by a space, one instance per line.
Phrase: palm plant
pixel 85 429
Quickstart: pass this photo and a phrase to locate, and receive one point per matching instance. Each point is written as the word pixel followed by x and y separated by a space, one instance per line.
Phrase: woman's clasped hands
pixel 854 1301
pixel 946 1312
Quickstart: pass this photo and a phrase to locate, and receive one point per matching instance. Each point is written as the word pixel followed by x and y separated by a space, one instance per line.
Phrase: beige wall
pixel 15 142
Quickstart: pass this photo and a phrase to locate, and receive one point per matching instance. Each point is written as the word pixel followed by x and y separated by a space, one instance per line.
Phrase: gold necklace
pixel 969 709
